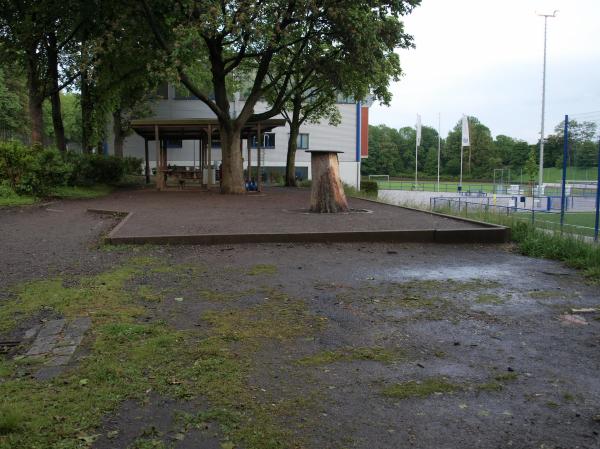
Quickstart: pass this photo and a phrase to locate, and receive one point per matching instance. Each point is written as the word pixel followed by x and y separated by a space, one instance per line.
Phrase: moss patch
pixel 376 354
pixel 262 269
pixel 489 298
pixel 127 359
pixel 420 389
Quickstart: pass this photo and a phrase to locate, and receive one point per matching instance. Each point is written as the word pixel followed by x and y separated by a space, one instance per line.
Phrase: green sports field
pixel 576 222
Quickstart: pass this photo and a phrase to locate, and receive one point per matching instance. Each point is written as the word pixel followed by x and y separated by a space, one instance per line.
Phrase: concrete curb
pixel 485 233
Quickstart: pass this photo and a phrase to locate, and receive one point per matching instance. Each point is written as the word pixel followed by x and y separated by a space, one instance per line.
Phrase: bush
pixel 132 165
pixel 89 169
pixel 32 170
pixel 369 187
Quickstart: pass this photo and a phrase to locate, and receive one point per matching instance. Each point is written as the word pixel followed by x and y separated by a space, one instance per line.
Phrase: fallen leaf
pixel 227 445
pixel 179 299
pixel 112 434
pixel 83 382
pixel 573 319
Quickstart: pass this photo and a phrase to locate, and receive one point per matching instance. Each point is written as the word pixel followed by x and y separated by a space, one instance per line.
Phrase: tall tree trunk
pixel 86 114
pixel 290 164
pixel 57 121
pixel 232 169
pixel 36 98
pixel 119 135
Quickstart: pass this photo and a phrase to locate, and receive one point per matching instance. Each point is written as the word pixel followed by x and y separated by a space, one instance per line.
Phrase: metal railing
pixel 540 216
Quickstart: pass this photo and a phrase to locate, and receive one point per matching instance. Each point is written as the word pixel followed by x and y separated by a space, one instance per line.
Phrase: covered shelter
pixel 203 130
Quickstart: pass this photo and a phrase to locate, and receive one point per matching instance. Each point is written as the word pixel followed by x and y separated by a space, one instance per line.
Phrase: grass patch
pixel 81 192
pixel 11 419
pixel 376 354
pixel 420 389
pixel 506 377
pixel 128 360
pixel 489 298
pixel 545 294
pixel 490 386
pixel 262 269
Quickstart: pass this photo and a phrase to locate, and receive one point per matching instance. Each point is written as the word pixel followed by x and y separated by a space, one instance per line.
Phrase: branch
pixel 182 75
pixel 65 84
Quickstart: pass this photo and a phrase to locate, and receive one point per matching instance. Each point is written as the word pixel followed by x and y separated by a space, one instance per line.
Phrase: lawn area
pixel 576 222
pixel 554 174
pixel 8 198
pixel 431 186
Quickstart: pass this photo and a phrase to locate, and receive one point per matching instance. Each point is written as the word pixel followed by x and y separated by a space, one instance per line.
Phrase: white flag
pixel 418 126
pixel 465 132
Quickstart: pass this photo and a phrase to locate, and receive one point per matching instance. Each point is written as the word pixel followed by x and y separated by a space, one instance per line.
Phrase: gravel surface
pixel 276 210
pixel 491 312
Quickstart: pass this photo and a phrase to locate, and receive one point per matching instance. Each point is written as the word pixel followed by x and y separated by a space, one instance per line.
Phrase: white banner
pixel 466 142
pixel 418 127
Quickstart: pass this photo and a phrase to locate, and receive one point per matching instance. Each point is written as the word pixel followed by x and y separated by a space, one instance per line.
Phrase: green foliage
pixel 32 170
pixel 38 172
pixel 89 169
pixel 369 187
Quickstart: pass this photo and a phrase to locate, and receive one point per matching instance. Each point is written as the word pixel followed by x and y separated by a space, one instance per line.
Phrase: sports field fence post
pixel 597 196
pixel 563 191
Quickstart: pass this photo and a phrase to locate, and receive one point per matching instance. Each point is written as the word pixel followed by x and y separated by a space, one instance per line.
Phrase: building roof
pixel 196 128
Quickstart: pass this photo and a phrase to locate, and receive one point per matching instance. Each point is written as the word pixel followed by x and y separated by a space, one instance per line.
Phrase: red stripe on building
pixel 364 132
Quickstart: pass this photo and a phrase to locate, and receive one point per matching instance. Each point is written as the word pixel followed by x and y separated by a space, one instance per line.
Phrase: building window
pixel 302 141
pixel 174 143
pixel 215 144
pixel 162 91
pixel 268 141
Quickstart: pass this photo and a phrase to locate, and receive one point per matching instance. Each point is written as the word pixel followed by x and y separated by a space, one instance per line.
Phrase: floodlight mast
pixel 541 168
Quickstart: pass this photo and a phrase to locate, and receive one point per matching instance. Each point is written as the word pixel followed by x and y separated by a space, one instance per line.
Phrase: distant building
pixel 350 136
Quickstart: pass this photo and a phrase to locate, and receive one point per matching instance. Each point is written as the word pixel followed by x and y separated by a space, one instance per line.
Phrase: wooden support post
pixel 249 143
pixel 327 191
pixel 258 151
pixel 159 179
pixel 209 157
pixel 146 162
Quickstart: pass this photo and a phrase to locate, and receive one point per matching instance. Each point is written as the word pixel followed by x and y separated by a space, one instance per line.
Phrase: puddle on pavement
pixel 458 273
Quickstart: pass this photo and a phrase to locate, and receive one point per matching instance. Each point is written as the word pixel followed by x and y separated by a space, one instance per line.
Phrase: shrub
pixel 132 165
pixel 16 160
pixel 89 169
pixel 369 187
pixel 32 170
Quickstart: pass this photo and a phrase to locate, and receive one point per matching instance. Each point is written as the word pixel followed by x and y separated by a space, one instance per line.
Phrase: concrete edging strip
pixel 487 234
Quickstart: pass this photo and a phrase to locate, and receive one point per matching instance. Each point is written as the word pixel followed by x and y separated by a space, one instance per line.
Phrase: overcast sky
pixel 484 58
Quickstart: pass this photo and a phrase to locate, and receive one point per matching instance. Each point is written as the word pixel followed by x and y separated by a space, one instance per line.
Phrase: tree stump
pixel 327 192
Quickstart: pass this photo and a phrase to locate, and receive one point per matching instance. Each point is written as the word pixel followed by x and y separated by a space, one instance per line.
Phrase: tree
pixel 241 38
pixel 34 33
pixel 479 159
pixel 13 98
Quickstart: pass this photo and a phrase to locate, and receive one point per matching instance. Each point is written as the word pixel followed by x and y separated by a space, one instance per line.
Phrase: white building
pixel 350 137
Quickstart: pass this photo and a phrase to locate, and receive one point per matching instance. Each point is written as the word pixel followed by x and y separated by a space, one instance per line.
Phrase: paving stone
pixel 58 360
pixel 41 346
pixel 64 350
pixel 51 328
pixel 48 372
pixel 31 333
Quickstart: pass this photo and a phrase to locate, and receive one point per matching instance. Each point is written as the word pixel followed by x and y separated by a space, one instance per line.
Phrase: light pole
pixel 541 175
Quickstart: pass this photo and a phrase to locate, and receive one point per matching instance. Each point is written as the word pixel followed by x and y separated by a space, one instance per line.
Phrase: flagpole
pixel 439 146
pixel 417 142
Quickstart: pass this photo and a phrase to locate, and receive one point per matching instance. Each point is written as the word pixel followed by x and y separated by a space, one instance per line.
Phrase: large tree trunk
pixel 57 121
pixel 327 191
pixel 290 165
pixel 119 135
pixel 232 169
pixel 36 116
pixel 86 114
